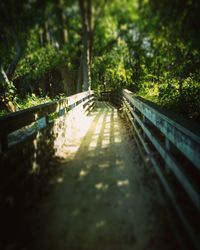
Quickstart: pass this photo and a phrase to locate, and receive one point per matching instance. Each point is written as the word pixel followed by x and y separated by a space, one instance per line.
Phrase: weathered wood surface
pixel 168 135
pixel 187 141
pixel 171 162
pixel 20 119
pixel 105 96
pixel 32 140
pixel 30 151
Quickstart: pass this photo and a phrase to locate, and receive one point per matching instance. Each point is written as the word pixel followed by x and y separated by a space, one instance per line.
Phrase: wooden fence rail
pixel 20 119
pixel 31 144
pixel 173 148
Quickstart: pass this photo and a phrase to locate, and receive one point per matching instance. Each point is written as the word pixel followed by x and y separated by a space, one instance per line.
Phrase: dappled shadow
pixel 30 159
pixel 98 202
pixel 26 168
pixel 94 197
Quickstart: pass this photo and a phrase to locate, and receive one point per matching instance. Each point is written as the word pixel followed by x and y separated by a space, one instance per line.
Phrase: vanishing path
pixel 101 199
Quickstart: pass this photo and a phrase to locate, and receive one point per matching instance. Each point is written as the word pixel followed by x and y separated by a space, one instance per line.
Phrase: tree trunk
pixel 12 67
pixel 80 78
pixel 62 33
pixel 68 81
pixel 85 10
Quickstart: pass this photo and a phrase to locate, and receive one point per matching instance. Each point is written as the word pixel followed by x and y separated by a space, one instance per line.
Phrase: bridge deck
pixel 101 200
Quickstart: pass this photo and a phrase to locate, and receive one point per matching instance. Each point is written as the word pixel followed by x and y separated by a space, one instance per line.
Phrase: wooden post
pixel 47 120
pixel 144 121
pixel 168 146
pixel 4 143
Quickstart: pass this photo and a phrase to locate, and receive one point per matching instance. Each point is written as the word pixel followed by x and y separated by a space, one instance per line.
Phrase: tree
pixel 12 41
pixel 90 21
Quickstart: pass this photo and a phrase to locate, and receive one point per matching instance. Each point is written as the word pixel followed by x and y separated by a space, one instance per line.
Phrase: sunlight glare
pixel 104 165
pixel 82 173
pixel 105 142
pixel 101 186
pixel 122 183
pixel 93 145
pixel 117 139
pixel 59 180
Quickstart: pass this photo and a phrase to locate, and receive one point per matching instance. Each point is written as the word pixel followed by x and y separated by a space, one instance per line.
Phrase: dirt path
pixel 100 200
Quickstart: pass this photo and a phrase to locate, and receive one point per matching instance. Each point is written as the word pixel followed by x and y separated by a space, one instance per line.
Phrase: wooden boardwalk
pixel 101 199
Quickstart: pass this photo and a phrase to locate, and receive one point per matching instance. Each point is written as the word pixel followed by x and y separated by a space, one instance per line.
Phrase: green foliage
pixel 165 54
pixel 109 69
pixel 31 100
pixel 3 112
pixel 185 100
pixel 150 47
pixel 7 89
pixel 38 62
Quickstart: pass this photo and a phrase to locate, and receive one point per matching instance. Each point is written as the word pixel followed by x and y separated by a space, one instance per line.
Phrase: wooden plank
pixel 19 119
pixel 144 144
pixel 173 165
pixel 164 182
pixel 77 97
pixel 25 117
pixel 187 141
pixel 177 207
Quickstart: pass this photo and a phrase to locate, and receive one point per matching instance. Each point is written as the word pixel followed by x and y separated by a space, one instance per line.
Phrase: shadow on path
pixel 99 200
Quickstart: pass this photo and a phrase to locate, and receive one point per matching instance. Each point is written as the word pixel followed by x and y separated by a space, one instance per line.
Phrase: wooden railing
pixel 173 148
pixel 105 96
pixel 32 142
pixel 49 111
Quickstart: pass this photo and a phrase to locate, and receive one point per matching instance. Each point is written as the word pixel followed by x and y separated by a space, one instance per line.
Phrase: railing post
pixel 168 146
pixel 4 143
pixel 46 120
pixel 144 121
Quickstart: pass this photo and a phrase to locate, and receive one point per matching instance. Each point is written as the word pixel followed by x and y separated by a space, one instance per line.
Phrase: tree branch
pixel 13 65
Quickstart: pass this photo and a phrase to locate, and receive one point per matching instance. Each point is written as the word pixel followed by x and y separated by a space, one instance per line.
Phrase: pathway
pixel 101 200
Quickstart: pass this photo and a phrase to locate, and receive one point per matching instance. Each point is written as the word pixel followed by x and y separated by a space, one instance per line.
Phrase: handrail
pixel 163 136
pixel 188 141
pixel 22 118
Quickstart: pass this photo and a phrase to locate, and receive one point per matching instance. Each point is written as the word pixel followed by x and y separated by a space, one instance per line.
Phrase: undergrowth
pixel 184 99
